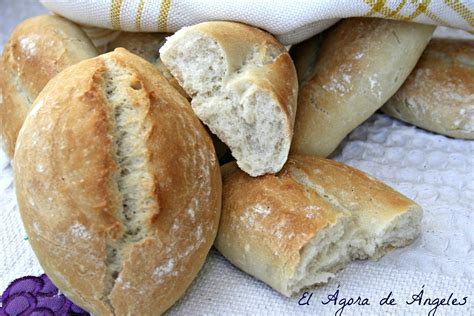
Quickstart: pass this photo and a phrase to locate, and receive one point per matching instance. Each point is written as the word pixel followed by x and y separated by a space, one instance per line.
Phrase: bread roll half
pixel 439 93
pixel 118 186
pixel 243 86
pixel 38 49
pixel 298 227
pixel 345 77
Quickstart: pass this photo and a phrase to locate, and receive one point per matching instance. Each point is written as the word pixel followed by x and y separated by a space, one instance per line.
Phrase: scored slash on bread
pixel 296 228
pixel 243 87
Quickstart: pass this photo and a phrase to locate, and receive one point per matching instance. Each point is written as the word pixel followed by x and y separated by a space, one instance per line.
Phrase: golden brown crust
pixel 439 93
pixel 247 219
pixel 66 178
pixel 360 64
pixel 267 222
pixel 62 183
pixel 38 49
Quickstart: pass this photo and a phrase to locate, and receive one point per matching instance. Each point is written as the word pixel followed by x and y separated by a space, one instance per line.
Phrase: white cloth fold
pixel 291 21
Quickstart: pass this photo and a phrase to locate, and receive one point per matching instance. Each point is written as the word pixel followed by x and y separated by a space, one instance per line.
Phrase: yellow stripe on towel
pixel 115 13
pixel 163 18
pixel 138 17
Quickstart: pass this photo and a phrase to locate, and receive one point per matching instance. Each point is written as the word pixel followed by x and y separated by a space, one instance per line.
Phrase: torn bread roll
pixel 118 186
pixel 296 228
pixel 358 66
pixel 439 93
pixel 243 86
pixel 147 46
pixel 38 49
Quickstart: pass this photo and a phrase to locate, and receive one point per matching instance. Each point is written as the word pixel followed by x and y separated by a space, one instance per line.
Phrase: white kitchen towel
pixel 291 21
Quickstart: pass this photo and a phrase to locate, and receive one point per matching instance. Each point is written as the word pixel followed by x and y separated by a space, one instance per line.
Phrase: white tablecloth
pixel 435 171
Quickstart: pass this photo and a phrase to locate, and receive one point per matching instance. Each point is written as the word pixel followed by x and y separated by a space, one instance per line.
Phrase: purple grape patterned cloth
pixel 36 296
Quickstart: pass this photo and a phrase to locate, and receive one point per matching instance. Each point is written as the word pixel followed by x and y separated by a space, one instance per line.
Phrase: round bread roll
pixel 298 227
pixel 439 93
pixel 243 86
pixel 358 66
pixel 38 49
pixel 118 186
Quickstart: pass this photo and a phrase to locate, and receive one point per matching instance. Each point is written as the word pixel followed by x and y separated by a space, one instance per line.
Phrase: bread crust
pixel 66 173
pixel 359 66
pixel 439 93
pixel 267 221
pixel 252 58
pixel 38 49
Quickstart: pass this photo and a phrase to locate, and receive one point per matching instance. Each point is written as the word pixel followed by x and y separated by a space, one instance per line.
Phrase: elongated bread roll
pixel 38 49
pixel 243 86
pixel 439 93
pixel 298 227
pixel 118 186
pixel 359 65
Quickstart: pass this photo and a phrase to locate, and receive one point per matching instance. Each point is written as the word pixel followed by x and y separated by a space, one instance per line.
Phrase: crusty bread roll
pixel 298 227
pixel 439 93
pixel 243 86
pixel 118 186
pixel 360 64
pixel 146 45
pixel 38 49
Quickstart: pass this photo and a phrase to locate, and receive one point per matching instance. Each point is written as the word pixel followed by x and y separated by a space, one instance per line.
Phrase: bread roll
pixel 360 64
pixel 146 45
pixel 118 186
pixel 439 93
pixel 298 227
pixel 38 49
pixel 243 86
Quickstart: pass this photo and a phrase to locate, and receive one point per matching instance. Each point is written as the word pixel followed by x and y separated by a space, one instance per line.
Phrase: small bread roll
pixel 243 86
pixel 439 93
pixel 118 186
pixel 298 227
pixel 147 46
pixel 38 49
pixel 358 66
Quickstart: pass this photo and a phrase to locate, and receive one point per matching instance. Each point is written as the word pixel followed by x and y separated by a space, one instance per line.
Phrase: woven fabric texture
pixel 290 21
